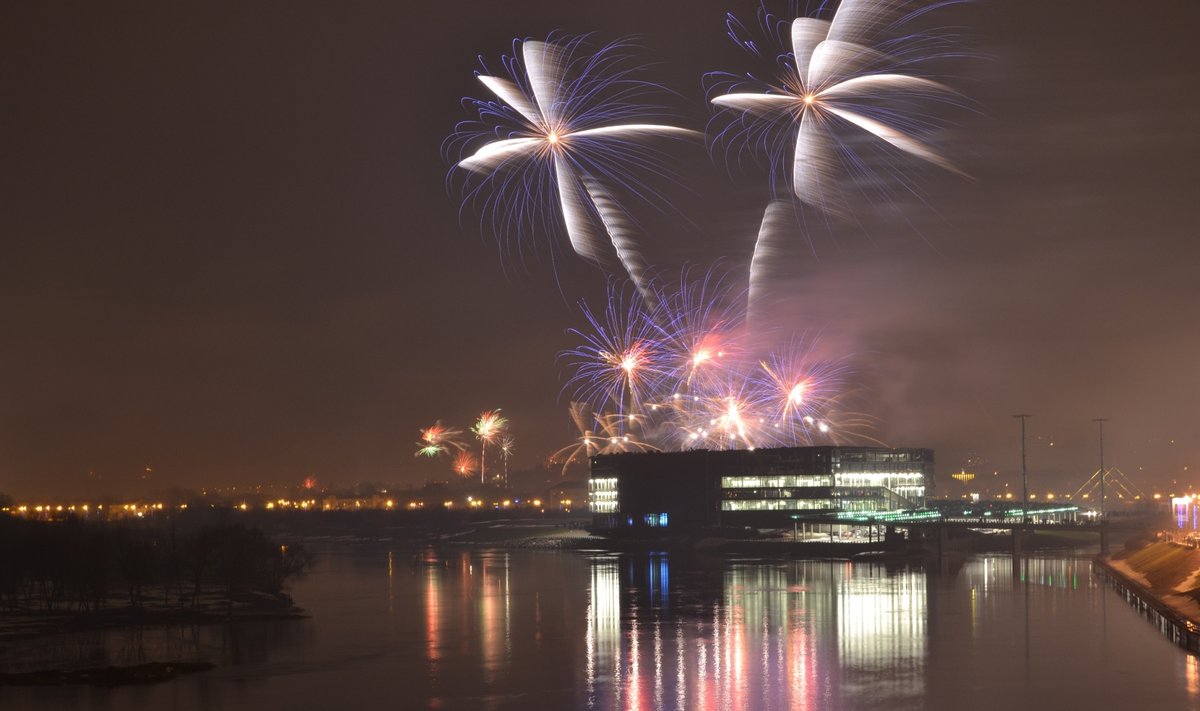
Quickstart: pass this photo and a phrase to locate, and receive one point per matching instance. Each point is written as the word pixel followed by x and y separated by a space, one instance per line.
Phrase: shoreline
pixel 1176 616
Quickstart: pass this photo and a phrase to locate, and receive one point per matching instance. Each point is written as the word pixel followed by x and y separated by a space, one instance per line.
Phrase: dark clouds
pixel 229 253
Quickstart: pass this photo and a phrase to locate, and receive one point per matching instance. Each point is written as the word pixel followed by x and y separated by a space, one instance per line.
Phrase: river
pixel 514 629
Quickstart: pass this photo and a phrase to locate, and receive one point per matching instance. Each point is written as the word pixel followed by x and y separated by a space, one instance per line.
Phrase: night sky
pixel 230 253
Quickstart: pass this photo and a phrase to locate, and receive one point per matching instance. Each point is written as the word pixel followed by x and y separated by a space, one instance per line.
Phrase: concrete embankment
pixel 1162 580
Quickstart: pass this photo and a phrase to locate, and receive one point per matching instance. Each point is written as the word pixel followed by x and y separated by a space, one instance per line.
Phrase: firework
pixel 856 69
pixel 772 234
pixel 700 379
pixel 799 389
pixel 488 429
pixel 568 129
pixel 439 439
pixel 507 445
pixel 734 421
pixel 465 464
pixel 703 323
pixel 598 434
pixel 622 353
pixel 587 442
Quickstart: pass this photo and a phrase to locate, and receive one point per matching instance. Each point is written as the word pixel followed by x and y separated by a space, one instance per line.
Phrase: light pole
pixel 1024 476
pixel 1100 421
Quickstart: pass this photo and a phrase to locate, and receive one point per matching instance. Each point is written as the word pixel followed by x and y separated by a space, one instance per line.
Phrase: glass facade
pixel 699 488
pixel 776 505
pixel 908 485
pixel 602 494
pixel 849 479
pixel 775 482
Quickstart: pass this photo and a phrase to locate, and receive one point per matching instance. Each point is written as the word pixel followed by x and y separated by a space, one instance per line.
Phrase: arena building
pixel 762 488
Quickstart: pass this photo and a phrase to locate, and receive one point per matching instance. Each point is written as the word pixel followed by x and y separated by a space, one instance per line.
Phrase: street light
pixel 1024 477
pixel 1100 421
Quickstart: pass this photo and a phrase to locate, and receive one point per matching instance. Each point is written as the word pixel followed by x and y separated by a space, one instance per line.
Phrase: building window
pixel 775 504
pixel 775 482
pixel 658 520
pixel 603 495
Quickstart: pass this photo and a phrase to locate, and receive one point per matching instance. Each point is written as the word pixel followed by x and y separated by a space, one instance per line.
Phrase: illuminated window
pixel 777 482
pixel 603 495
pixel 775 504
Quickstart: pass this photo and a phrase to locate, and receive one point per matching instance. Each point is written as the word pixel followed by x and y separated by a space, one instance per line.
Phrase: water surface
pixel 483 629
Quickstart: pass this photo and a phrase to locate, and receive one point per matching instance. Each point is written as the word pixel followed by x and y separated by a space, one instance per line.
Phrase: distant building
pixel 759 488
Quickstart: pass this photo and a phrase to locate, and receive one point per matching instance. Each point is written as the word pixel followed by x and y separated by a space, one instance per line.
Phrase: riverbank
pixel 1162 580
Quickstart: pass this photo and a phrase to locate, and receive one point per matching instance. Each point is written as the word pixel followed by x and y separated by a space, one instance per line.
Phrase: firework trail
pixel 569 125
pixel 856 69
pixel 598 434
pixel 507 445
pixel 587 442
pixel 488 429
pixel 439 439
pixel 772 234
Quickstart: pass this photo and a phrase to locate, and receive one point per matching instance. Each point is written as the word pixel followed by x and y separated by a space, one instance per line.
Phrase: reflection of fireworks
pixel 566 131
pixel 439 439
pixel 853 69
pixel 488 428
pixel 465 464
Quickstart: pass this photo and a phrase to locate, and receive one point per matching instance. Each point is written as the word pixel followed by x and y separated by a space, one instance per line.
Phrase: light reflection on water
pixel 476 629
pixel 772 636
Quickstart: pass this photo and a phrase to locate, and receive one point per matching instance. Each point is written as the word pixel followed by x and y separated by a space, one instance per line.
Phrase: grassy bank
pixel 1167 568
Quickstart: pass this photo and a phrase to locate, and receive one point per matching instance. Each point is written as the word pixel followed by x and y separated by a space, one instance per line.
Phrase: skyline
pixel 244 276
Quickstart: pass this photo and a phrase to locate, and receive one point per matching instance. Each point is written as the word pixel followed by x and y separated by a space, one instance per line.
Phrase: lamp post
pixel 1024 476
pixel 1100 421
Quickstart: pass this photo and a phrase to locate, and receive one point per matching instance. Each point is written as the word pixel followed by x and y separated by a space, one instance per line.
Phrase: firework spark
pixel 702 320
pixel 569 124
pixel 507 445
pixel 488 429
pixel 598 434
pixel 465 465
pixel 621 355
pixel 700 379
pixel 586 444
pixel 439 439
pixel 799 389
pixel 856 69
